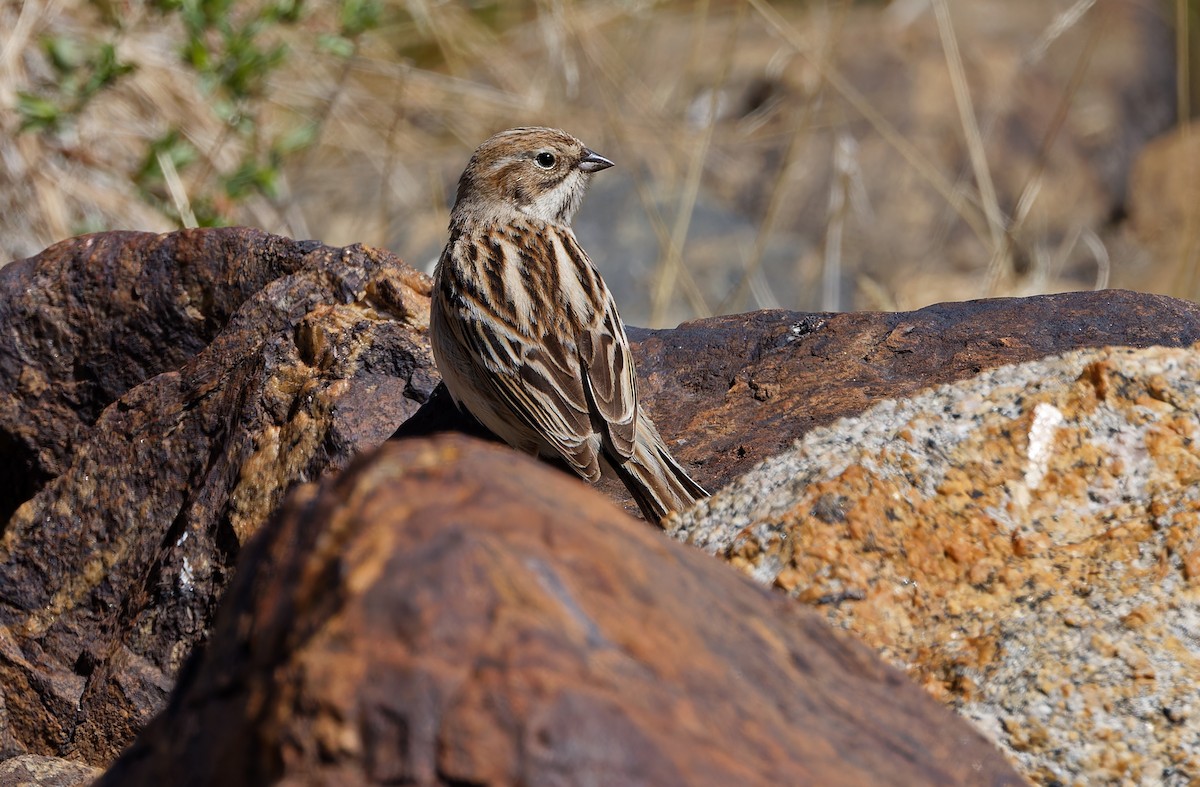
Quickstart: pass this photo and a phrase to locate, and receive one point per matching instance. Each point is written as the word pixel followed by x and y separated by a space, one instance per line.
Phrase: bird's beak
pixel 593 161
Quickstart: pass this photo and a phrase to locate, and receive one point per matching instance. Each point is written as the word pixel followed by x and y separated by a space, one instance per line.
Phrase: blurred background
pixel 806 155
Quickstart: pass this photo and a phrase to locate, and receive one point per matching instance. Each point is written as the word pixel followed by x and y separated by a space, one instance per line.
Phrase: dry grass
pixel 857 155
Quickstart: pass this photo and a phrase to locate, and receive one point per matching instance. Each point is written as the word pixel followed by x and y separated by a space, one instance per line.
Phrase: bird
pixel 526 334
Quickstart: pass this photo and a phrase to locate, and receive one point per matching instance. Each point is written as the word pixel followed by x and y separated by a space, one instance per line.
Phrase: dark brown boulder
pixel 729 392
pixel 449 613
pixel 756 382
pixel 110 574
pixel 91 317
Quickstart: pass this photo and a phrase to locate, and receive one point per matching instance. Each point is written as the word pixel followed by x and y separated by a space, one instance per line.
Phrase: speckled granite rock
pixel 1026 544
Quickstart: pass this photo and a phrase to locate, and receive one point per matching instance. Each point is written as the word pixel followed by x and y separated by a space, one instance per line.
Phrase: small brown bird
pixel 524 331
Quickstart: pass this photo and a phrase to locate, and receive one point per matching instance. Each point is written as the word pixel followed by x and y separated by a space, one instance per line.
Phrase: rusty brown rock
pixel 729 392
pixel 761 380
pixel 110 574
pixel 448 613
pixel 89 318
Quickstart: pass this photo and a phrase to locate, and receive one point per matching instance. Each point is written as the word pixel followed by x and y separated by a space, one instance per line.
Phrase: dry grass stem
pixel 672 258
pixel 1100 254
pixel 1033 184
pixel 967 208
pixel 1183 38
pixel 974 141
pixel 845 168
pixel 1055 30
pixel 183 205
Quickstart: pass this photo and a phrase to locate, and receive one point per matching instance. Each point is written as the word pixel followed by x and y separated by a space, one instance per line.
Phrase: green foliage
pixel 355 17
pixel 229 51
pixel 37 112
pixel 81 71
pixel 171 147
pixel 359 16
pixel 233 50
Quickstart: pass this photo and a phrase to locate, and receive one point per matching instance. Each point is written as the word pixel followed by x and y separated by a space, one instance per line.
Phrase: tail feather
pixel 658 483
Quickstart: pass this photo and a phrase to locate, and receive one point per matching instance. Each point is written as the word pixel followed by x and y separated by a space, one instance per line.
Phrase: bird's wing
pixel 571 382
pixel 527 364
pixel 611 381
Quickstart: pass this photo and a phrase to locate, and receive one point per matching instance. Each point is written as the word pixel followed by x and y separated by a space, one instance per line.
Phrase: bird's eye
pixel 545 160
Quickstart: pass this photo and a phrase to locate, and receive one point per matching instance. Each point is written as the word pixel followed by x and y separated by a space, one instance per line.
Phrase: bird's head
pixel 539 172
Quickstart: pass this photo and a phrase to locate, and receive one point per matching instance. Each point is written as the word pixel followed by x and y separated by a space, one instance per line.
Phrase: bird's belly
pixel 461 377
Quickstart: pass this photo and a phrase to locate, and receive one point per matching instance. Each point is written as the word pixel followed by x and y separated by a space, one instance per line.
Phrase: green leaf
pixel 179 151
pixel 195 53
pixel 106 70
pixel 246 66
pixel 37 112
pixel 287 11
pixel 359 16
pixel 64 53
pixel 250 177
pixel 296 139
pixel 338 46
pixel 207 214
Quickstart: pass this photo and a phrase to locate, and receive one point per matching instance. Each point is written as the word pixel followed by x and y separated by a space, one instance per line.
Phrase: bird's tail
pixel 658 483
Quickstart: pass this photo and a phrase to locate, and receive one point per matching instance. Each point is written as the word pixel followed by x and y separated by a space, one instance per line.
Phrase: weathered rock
pixel 729 392
pixel 35 770
pixel 1025 543
pixel 91 317
pixel 448 613
pixel 110 574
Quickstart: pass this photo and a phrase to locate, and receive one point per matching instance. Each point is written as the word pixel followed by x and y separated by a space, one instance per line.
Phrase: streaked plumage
pixel 524 330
